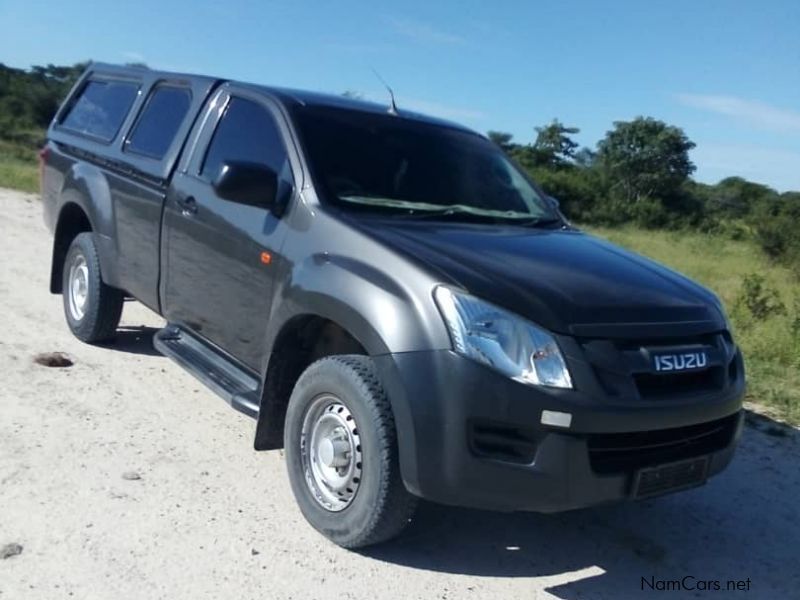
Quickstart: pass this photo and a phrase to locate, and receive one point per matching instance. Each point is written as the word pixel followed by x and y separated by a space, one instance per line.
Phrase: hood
pixel 564 280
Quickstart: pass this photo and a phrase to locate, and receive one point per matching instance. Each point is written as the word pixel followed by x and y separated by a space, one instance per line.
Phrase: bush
pixel 760 301
pixel 576 189
pixel 776 231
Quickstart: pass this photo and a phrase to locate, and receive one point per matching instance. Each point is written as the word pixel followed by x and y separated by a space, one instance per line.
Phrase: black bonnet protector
pixel 566 281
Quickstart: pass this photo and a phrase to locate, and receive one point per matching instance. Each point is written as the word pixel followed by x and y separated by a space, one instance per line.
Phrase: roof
pixel 308 98
pixel 287 96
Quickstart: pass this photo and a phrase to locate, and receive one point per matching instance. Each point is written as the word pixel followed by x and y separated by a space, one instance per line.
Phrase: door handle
pixel 188 206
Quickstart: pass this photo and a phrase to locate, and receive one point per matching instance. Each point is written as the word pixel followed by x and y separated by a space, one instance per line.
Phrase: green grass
pixel 771 346
pixel 18 167
pixel 19 175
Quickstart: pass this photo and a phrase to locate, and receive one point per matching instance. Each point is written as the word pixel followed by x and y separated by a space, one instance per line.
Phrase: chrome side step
pixel 238 387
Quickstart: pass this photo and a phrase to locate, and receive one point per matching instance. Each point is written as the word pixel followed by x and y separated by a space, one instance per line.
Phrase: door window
pixel 247 132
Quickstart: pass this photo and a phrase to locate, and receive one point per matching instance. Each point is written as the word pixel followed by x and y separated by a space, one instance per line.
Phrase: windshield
pixel 382 162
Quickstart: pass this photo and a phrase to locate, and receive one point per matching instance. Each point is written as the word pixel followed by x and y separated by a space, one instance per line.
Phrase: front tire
pixel 341 453
pixel 92 308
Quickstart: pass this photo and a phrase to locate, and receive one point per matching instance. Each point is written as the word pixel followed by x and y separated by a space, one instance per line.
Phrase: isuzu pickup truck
pixel 397 305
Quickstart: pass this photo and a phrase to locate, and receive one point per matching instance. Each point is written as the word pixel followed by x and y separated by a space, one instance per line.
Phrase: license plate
pixel 671 477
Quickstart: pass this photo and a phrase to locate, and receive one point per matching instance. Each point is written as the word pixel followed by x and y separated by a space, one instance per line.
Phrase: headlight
pixel 505 342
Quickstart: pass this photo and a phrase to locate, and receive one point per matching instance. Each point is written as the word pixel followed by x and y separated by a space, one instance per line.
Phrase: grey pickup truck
pixel 394 302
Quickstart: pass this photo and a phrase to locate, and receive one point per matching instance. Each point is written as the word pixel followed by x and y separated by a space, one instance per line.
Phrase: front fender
pixel 384 313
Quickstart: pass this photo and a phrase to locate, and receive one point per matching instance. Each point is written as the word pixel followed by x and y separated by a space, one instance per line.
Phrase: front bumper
pixel 441 400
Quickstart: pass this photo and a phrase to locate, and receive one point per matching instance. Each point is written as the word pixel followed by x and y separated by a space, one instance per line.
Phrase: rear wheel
pixel 92 308
pixel 341 453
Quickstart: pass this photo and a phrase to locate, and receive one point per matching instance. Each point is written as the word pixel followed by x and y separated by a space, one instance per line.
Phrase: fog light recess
pixel 556 418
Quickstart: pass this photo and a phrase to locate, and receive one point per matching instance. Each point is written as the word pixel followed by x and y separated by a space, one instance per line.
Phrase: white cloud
pixel 773 167
pixel 423 32
pixel 753 112
pixel 132 56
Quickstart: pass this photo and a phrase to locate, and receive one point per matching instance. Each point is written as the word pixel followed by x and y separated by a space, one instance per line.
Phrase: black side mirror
pixel 248 183
pixel 554 201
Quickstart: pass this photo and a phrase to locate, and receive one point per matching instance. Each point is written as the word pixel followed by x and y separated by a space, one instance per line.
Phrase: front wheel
pixel 341 453
pixel 92 308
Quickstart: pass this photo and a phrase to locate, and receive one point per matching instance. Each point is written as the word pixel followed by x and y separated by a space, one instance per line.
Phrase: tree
pixel 736 197
pixel 502 139
pixel 646 160
pixel 553 146
pixel 29 99
pixel 585 157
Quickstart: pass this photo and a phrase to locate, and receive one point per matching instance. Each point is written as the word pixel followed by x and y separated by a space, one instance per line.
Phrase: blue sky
pixel 728 72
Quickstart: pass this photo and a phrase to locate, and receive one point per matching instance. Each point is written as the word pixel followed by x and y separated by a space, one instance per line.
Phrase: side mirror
pixel 554 201
pixel 248 183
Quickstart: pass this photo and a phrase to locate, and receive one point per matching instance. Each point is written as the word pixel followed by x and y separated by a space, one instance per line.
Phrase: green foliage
pixel 795 326
pixel 29 99
pixel 553 146
pixel 735 197
pixel 18 168
pixel 19 176
pixel 502 139
pixel 645 158
pixel 775 225
pixel 758 299
pixel 575 188
pixel 640 174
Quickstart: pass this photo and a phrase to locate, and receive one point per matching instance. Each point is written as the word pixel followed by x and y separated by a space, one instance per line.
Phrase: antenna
pixel 393 107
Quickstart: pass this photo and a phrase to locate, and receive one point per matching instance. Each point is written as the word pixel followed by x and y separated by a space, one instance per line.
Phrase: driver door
pixel 220 257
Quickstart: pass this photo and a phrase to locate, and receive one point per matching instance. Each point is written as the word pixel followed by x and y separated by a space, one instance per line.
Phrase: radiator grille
pixel 627 452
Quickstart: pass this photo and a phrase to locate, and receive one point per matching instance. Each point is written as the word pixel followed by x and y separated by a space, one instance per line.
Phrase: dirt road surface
pixel 123 478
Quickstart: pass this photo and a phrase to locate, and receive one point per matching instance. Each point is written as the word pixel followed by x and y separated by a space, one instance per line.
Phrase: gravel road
pixel 122 477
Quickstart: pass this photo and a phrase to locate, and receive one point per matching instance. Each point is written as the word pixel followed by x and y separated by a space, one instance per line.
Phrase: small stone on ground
pixel 10 550
pixel 53 359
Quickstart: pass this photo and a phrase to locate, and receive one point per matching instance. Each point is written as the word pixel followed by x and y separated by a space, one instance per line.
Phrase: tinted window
pixel 378 161
pixel 101 108
pixel 247 132
pixel 159 122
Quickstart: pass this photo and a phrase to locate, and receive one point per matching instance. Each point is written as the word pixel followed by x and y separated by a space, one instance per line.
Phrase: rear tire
pixel 341 453
pixel 92 308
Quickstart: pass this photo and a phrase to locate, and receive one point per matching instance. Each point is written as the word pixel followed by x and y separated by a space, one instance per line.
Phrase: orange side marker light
pixel 266 258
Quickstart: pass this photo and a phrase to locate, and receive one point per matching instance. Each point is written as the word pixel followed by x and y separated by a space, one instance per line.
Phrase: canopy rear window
pixel 101 108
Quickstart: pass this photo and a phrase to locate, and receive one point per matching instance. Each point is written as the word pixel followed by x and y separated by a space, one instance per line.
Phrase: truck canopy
pixel 132 119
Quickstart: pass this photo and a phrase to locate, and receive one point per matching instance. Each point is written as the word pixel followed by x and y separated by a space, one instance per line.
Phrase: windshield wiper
pixel 425 210
pixel 540 222
pixel 455 212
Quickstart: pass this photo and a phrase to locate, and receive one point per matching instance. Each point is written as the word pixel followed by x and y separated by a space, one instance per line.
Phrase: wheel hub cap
pixel 331 453
pixel 334 452
pixel 78 292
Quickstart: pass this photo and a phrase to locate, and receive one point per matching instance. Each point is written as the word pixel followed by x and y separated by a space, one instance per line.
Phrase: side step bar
pixel 238 387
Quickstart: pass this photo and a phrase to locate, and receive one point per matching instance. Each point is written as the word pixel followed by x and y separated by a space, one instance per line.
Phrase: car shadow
pixel 134 340
pixel 743 524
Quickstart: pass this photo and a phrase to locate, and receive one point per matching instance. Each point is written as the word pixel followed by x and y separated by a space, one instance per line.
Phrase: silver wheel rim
pixel 78 293
pixel 330 450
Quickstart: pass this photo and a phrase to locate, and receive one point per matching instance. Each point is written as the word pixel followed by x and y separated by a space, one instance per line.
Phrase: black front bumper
pixel 469 436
